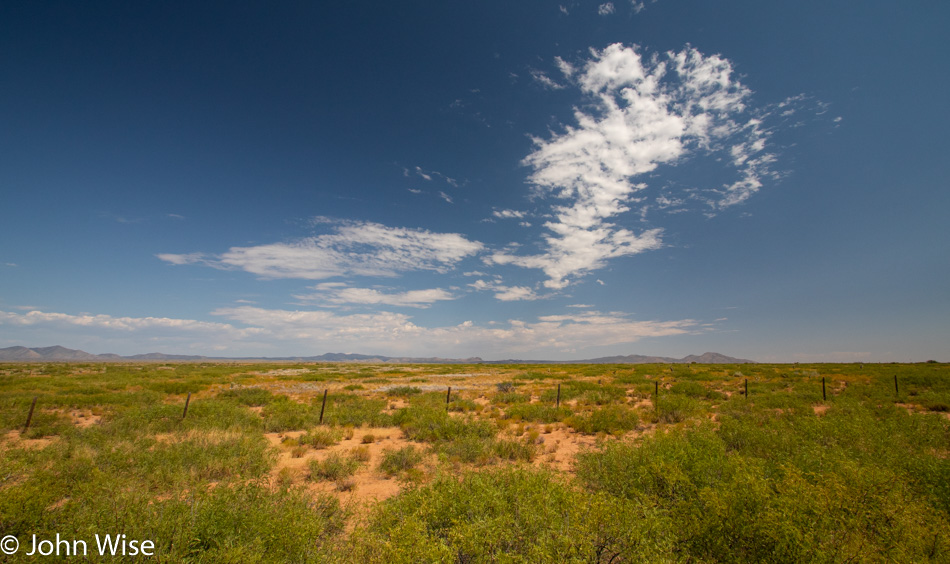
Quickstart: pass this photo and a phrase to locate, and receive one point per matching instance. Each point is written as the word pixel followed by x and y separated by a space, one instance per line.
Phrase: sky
pixel 533 180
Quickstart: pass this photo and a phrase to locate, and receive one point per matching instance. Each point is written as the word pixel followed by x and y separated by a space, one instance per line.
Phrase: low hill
pixel 62 354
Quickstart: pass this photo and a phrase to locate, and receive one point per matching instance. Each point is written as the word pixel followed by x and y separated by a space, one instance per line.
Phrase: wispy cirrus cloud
pixel 544 80
pixel 430 175
pixel 647 111
pixel 352 248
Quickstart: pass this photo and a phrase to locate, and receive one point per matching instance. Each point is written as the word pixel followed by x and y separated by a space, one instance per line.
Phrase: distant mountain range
pixel 62 354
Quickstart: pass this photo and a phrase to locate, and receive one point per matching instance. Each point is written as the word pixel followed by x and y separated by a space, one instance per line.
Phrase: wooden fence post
pixel 896 390
pixel 823 396
pixel 187 401
pixel 448 395
pixel 656 393
pixel 30 416
pixel 557 403
pixel 323 406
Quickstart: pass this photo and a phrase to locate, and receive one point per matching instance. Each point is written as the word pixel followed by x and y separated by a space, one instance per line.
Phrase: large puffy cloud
pixel 354 248
pixel 646 113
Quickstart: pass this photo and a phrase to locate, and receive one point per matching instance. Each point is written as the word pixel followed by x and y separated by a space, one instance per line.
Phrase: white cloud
pixel 429 175
pixel 423 174
pixel 506 293
pixel 605 9
pixel 445 197
pixel 515 293
pixel 647 112
pixel 339 294
pixel 126 324
pixel 508 214
pixel 257 331
pixel 545 80
pixel 354 248
pixel 396 334
pixel 567 69
pixel 188 258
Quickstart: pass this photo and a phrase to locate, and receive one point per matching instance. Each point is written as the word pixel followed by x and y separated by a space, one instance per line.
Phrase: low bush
pixel 334 467
pixel 321 437
pixel 396 461
pixel 252 397
pixel 612 420
pixel 509 515
pixel 403 391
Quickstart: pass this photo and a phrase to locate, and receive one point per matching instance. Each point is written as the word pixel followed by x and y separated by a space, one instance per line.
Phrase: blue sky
pixel 543 180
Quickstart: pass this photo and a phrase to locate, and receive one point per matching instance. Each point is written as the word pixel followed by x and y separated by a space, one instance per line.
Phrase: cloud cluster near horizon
pixel 253 331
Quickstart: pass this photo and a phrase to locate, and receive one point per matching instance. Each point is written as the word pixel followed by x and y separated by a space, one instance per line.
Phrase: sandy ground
pixel 367 485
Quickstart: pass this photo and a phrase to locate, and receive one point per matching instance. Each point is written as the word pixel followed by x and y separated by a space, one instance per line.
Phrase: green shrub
pixel 515 450
pixel 334 467
pixel 321 437
pixel 396 461
pixel 350 409
pixel 287 415
pixel 673 409
pixel 252 397
pixel 611 419
pixel 403 391
pixel 511 397
pixel 510 515
pixel 180 387
pixel 435 425
pixel 463 405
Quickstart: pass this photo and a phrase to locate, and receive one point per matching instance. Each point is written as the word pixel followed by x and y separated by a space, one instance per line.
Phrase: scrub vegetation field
pixel 541 463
